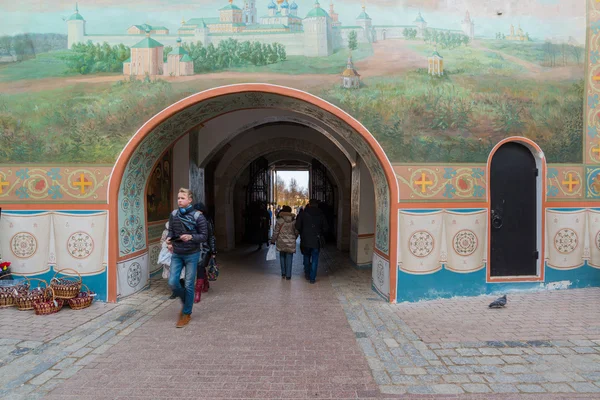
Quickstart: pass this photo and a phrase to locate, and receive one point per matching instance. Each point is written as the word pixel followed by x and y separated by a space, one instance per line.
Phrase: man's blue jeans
pixel 286 263
pixel 190 261
pixel 311 263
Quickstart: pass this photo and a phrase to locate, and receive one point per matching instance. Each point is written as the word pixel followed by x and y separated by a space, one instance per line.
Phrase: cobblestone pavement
pixel 255 335
pixel 543 342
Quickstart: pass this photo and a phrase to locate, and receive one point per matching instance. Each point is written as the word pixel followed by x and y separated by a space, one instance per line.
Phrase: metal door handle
pixel 496 219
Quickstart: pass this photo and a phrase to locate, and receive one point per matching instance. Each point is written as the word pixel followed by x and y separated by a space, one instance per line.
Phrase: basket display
pixel 83 299
pixel 49 305
pixel 25 299
pixel 9 288
pixel 66 287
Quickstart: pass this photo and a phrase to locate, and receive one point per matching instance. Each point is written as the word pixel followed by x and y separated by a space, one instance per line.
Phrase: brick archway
pixel 127 212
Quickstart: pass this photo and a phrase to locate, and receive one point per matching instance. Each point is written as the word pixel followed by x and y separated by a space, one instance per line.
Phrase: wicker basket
pixel 25 299
pixel 7 293
pixel 66 287
pixel 83 299
pixel 49 305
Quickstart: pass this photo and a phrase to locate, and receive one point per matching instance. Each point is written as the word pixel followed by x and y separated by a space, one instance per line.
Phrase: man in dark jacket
pixel 312 225
pixel 188 232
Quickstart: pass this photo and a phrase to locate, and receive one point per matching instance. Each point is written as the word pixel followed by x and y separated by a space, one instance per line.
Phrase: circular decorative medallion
pixel 23 244
pixel 565 241
pixel 598 240
pixel 421 244
pixel 380 274
pixel 80 245
pixel 134 274
pixel 464 242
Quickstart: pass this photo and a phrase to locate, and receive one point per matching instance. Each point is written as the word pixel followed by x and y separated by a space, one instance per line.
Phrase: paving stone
pixel 446 352
pixel 44 377
pixel 460 369
pixel 420 389
pixel 585 387
pixel 464 360
pixel 582 342
pixel 515 369
pixel 513 359
pixel 512 351
pixel 390 389
pixel 531 388
pixel 476 388
pixel 402 379
pixel 414 371
pixel 530 378
pixel 453 378
pixel 584 350
pixel 447 389
pixel 490 360
pixel 381 378
pixel 468 352
pixel 503 388
pixel 558 388
pixel 391 343
pixel 501 378
pixel 477 378
pixel 489 351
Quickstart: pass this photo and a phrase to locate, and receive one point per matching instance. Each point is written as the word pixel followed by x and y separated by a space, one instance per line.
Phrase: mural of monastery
pixel 319 33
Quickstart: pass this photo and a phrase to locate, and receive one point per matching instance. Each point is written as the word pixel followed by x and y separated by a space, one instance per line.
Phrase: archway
pixel 127 220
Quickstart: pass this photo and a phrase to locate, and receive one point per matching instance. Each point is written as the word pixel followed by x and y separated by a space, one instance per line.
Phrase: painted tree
pixel 352 41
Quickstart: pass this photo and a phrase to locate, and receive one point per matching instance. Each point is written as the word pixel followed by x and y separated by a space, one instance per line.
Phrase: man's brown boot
pixel 183 320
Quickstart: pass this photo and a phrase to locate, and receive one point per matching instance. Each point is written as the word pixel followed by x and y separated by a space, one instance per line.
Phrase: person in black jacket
pixel 311 224
pixel 188 232
pixel 208 252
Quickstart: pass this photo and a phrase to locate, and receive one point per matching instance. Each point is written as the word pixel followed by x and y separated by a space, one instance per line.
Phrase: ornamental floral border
pixel 60 184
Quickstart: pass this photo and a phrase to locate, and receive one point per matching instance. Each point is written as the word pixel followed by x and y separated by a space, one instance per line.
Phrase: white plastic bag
pixel 272 253
pixel 164 257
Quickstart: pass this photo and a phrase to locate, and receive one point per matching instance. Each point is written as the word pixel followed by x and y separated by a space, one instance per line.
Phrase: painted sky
pixel 541 18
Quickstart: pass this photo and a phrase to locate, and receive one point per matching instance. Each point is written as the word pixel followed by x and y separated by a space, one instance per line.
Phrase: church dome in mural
pixel 293 6
pixel 285 4
pixel 76 16
pixel 317 11
pixel 363 14
pixel 272 5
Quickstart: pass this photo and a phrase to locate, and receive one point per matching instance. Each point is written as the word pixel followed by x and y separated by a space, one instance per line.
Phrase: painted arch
pixel 132 170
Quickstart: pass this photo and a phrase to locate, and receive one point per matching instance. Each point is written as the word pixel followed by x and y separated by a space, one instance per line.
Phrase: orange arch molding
pixel 534 148
pixel 150 125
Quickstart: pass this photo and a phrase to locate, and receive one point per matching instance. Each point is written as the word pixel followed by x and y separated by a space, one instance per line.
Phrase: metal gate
pixel 323 190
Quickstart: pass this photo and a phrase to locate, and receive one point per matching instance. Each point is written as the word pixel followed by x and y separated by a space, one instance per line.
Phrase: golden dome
pixel 279 1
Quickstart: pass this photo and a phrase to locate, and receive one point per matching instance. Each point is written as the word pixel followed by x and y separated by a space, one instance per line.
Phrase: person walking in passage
pixel 311 224
pixel 284 237
pixel 209 251
pixel 188 233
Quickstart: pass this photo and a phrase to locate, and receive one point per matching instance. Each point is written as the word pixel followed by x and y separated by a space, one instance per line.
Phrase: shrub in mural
pixel 430 92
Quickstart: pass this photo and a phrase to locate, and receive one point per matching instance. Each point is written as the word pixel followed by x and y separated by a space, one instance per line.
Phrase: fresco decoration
pixel 132 237
pixel 35 240
pixel 518 74
pixel 32 183
pixel 565 182
pixel 565 237
pixel 430 240
pixel 158 194
pixel 447 183
pixel 592 181
pixel 592 142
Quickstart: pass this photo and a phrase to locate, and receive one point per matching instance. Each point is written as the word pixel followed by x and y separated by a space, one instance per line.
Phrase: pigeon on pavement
pixel 499 302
